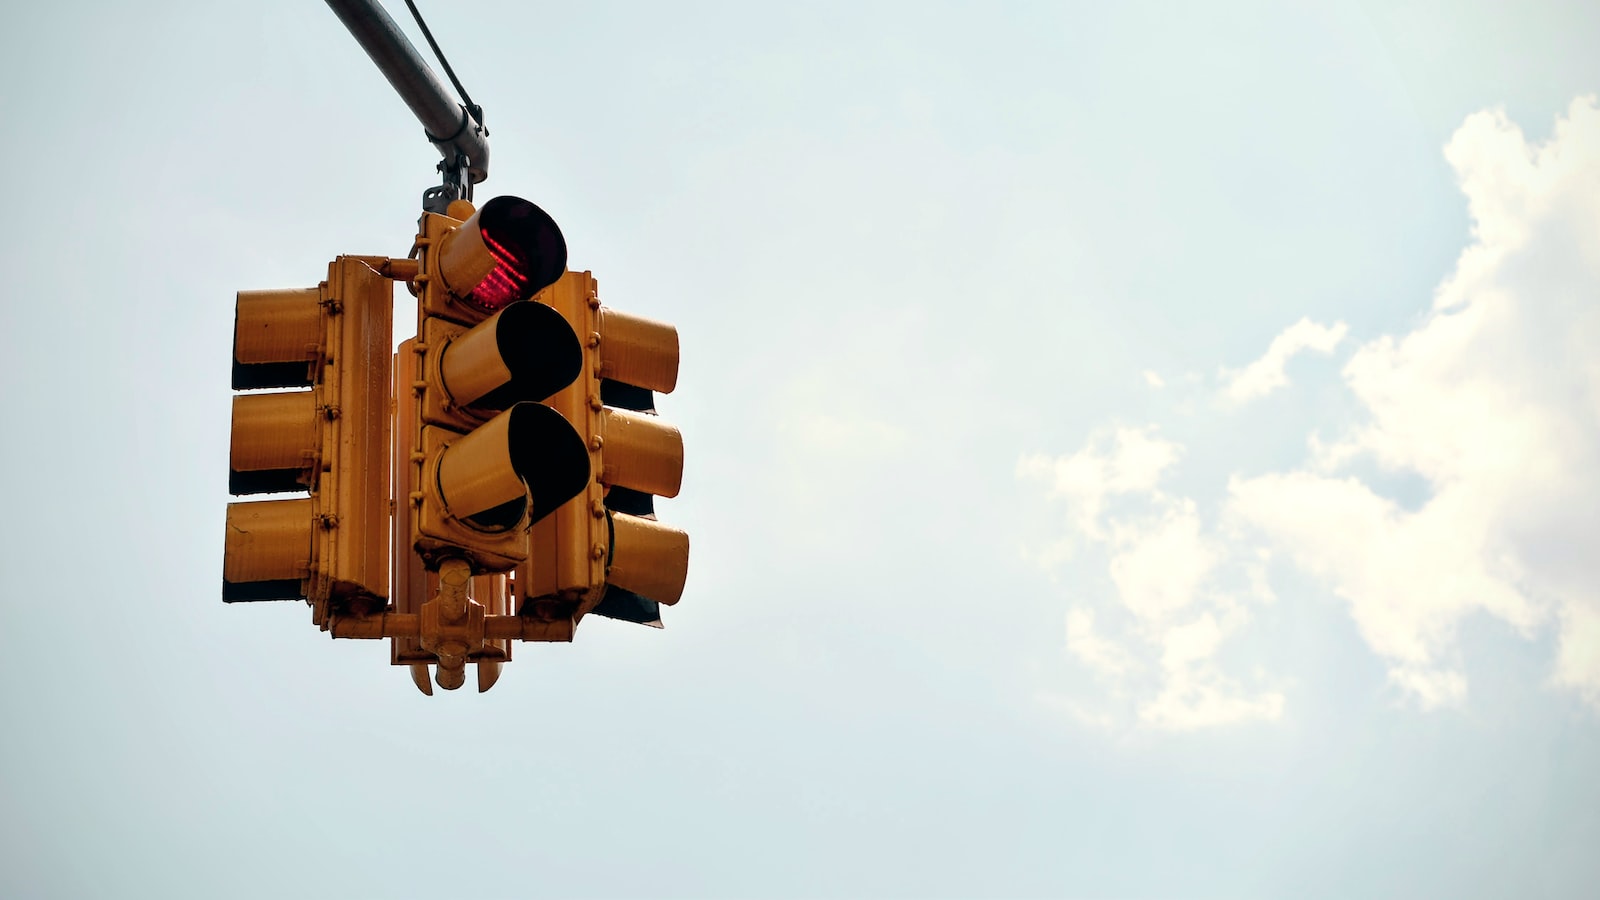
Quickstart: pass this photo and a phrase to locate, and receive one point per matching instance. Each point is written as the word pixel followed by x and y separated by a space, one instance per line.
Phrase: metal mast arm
pixel 462 141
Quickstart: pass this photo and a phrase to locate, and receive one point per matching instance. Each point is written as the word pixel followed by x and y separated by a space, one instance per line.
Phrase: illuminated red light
pixel 507 284
pixel 529 251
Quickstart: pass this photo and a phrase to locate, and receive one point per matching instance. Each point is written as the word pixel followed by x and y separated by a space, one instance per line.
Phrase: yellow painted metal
pixel 276 442
pixel 435 297
pixel 637 351
pixel 376 625
pixel 469 362
pixel 410 584
pixel 519 353
pixel 435 534
pixel 267 549
pixel 273 326
pixel 463 259
pixel 422 678
pixel 452 630
pixel 452 624
pixel 353 510
pixel 495 628
pixel 640 452
pixel 583 546
pixel 331 441
pixel 278 337
pixel 475 474
pixel 444 502
pixel 565 569
pixel 565 573
pixel 397 269
pixel 648 558
pixel 526 628
pixel 470 468
pixel 492 592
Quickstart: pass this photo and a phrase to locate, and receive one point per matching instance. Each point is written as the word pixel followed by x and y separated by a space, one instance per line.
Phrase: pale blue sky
pixel 1015 571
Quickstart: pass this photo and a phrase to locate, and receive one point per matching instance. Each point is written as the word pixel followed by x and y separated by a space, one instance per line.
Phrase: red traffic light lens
pixel 529 252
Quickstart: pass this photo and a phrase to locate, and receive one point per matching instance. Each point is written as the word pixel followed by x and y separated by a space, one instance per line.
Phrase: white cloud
pixel 1266 374
pixel 1154 379
pixel 1105 657
pixel 1495 401
pixel 1188 644
pixel 1191 702
pixel 1133 464
pixel 1163 566
pixel 1159 563
pixel 1578 657
pixel 1430 687
pixel 1194 692
pixel 1409 577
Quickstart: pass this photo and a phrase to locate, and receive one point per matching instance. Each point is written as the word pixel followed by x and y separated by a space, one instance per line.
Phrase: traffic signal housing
pixel 486 459
pixel 509 474
pixel 314 420
pixel 604 551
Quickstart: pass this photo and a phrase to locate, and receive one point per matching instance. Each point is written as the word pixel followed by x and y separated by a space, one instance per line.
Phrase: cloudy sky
pixel 1133 450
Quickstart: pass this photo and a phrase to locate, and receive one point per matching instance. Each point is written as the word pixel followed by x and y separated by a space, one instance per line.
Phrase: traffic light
pixel 604 552
pixel 486 459
pixel 516 493
pixel 412 584
pixel 314 419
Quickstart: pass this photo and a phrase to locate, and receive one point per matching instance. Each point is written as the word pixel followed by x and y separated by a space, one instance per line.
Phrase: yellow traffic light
pixel 516 493
pixel 604 552
pixel 486 459
pixel 413 586
pixel 315 420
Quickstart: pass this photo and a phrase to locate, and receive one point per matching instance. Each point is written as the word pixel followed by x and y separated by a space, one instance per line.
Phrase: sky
pixel 1133 450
